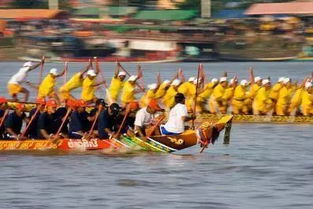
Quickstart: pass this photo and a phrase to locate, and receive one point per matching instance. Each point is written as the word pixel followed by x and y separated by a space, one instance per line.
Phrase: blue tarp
pixel 229 13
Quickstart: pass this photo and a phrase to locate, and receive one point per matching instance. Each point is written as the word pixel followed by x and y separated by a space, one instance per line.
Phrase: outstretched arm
pixel 37 65
pixel 117 69
pixel 251 75
pixel 88 66
pixel 64 69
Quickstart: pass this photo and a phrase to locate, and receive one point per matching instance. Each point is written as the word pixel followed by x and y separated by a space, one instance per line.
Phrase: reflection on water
pixel 265 166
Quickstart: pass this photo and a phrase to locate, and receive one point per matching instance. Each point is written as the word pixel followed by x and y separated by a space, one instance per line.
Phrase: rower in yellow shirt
pixel 169 97
pixel 275 90
pixel 294 108
pixel 116 84
pixel 74 83
pixel 284 96
pixel 307 100
pixel 89 86
pixel 46 88
pixel 240 98
pixel 149 95
pixel 229 92
pixel 217 102
pixel 206 93
pixel 129 90
pixel 262 100
pixel 162 89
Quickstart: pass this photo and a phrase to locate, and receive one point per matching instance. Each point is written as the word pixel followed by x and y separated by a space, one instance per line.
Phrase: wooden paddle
pixel 196 96
pixel 3 117
pixel 63 121
pixel 31 120
pixel 117 135
pixel 142 88
pixel 153 128
pixel 94 123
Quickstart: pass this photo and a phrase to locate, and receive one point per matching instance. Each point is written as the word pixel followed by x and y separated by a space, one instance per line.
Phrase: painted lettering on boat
pixel 85 144
pixel 26 145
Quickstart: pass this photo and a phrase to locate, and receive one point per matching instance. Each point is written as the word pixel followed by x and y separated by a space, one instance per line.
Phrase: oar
pixel 196 95
pixel 31 121
pixel 3 117
pixel 63 121
pixel 65 72
pixel 41 69
pixel 150 131
pixel 94 122
pixel 130 75
pixel 106 91
pixel 117 135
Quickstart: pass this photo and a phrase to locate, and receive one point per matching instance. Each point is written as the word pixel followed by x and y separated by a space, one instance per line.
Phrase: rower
pixel 13 124
pixel 89 86
pixel 284 97
pixel 108 121
pixel 15 83
pixel 74 83
pixel 116 84
pixel 131 110
pixel 150 94
pixel 46 120
pixel 32 129
pixel 129 90
pixel 178 115
pixel 263 104
pixel 307 99
pixel 3 111
pixel 169 97
pixel 241 99
pixel 206 93
pixel 79 123
pixel 46 88
pixel 217 102
pixel 145 116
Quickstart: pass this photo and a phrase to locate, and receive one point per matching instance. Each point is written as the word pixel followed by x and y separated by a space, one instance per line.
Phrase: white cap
pixel 308 84
pixel 257 79
pixel 175 82
pixel 196 80
pixel 166 82
pixel 214 80
pixel 122 73
pixel 286 80
pixel 281 79
pixel 132 78
pixel 244 82
pixel 28 64
pixel 231 81
pixel 191 79
pixel 54 71
pixel 265 81
pixel 222 79
pixel 152 86
pixel 91 73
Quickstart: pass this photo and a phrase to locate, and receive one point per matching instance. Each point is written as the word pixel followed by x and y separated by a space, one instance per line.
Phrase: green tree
pixel 31 4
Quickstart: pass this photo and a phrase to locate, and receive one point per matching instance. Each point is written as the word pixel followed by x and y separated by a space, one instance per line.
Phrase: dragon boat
pixel 206 134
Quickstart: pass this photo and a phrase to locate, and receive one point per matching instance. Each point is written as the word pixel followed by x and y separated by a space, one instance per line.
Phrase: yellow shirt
pixel 229 93
pixel 275 91
pixel 128 93
pixel 88 90
pixel 145 99
pixel 161 91
pixel 206 93
pixel 240 93
pixel 262 99
pixel 185 89
pixel 307 98
pixel 297 97
pixel 218 92
pixel 169 97
pixel 284 96
pixel 47 86
pixel 75 82
pixel 115 87
pixel 254 89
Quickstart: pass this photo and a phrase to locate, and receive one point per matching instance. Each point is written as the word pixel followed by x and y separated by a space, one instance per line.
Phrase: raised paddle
pixel 41 69
pixel 196 96
pixel 130 75
pixel 65 72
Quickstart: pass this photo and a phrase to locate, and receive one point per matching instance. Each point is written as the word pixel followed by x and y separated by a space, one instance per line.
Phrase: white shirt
pixel 19 77
pixel 143 118
pixel 175 123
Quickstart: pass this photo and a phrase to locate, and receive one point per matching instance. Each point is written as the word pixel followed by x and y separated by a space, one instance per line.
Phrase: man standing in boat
pixel 116 84
pixel 15 83
pixel 177 117
pixel 89 86
pixel 74 83
pixel 46 88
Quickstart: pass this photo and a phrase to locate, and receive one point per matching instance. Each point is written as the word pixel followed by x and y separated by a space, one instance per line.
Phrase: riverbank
pixel 11 54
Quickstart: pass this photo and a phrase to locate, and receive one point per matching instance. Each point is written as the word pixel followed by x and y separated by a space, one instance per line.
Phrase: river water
pixel 265 165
